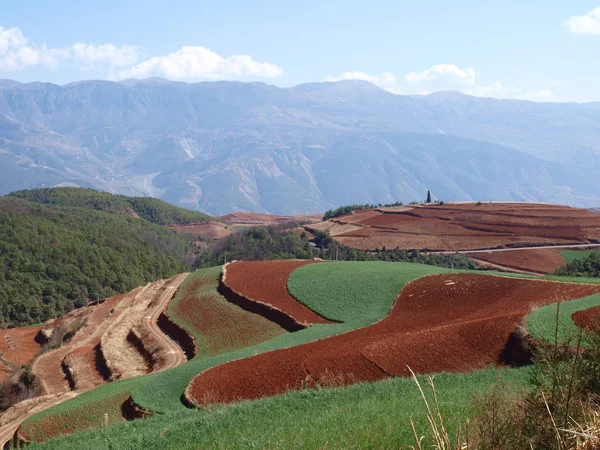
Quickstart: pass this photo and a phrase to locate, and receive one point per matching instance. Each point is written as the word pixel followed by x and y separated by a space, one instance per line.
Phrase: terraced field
pixel 443 323
pixel 352 296
pixel 458 226
pixel 103 346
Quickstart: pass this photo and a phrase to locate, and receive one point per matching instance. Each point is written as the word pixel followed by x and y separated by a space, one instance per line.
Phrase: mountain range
pixel 219 147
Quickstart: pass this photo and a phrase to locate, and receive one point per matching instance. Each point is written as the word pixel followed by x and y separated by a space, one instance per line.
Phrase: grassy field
pixel 541 323
pixel 365 415
pixel 572 255
pixel 356 294
pixel 372 287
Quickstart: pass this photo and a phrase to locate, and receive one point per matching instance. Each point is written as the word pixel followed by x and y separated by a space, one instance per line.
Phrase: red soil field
pixel 588 319
pixel 18 345
pixel 224 327
pixel 450 322
pixel 538 260
pixel 466 226
pixel 266 282
pixel 211 230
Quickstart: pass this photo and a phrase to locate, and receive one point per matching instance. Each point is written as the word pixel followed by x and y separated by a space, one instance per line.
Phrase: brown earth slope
pixel 534 260
pixel 464 226
pixel 456 322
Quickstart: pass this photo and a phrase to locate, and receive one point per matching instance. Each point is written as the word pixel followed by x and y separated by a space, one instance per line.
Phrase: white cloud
pixel 386 79
pixel 17 53
pixel 443 77
pixel 108 54
pixel 587 24
pixel 200 63
pixel 443 73
pixel 498 90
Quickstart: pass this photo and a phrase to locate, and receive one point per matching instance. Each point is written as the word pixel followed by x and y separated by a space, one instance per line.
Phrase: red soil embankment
pixel 538 260
pixel 222 326
pixel 18 345
pixel 588 319
pixel 457 323
pixel 265 283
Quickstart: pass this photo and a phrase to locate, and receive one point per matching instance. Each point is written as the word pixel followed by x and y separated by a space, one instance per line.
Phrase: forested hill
pixel 55 258
pixel 153 210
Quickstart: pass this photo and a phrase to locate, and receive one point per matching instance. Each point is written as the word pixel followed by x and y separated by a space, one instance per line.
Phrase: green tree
pixel 428 197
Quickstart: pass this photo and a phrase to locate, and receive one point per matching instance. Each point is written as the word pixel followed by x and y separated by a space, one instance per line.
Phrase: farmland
pixel 542 323
pixel 350 296
pixel 103 347
pixel 573 255
pixel 217 325
pixel 450 322
pixel 541 261
pixel 452 227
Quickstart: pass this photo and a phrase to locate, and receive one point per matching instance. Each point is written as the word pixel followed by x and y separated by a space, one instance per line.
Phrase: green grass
pixel 365 415
pixel 376 285
pixel 541 323
pixel 572 255
pixel 356 294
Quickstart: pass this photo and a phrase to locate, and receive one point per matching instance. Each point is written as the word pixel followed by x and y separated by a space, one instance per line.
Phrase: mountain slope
pixel 153 210
pixel 55 258
pixel 223 146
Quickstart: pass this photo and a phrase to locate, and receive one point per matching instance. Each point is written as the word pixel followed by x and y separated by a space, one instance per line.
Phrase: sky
pixel 534 50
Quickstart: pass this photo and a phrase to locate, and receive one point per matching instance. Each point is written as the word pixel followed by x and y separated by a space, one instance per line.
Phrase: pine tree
pixel 428 197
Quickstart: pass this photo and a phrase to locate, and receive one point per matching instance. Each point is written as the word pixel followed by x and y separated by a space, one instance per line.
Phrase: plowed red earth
pixel 453 227
pixel 18 345
pixel 266 282
pixel 539 260
pixel 223 326
pixel 439 323
pixel 588 319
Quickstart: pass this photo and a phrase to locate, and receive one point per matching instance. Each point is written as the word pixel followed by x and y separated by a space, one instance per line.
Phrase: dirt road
pixel 7 431
pixel 176 357
pixel 512 249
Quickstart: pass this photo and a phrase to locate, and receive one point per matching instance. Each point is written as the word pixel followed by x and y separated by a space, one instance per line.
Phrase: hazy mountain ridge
pixel 224 146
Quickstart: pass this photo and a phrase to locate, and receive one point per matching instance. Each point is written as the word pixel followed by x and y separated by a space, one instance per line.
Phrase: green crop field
pixel 356 294
pixel 365 415
pixel 541 323
pixel 572 255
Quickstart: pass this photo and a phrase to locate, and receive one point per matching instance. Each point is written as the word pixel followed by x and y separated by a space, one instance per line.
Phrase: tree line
pixel 262 243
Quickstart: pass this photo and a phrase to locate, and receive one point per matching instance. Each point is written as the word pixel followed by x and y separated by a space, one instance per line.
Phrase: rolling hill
pixel 225 146
pixel 55 258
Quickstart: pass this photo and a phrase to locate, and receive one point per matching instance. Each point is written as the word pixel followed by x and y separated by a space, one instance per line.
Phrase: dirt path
pixel 22 411
pixel 487 264
pixel 175 355
pixel 512 249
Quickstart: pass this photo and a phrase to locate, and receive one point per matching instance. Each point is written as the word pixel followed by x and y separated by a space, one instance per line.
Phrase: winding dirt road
pixel 28 408
pixel 175 353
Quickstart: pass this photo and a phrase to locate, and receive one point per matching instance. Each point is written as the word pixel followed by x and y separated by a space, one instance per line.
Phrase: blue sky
pixel 537 50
